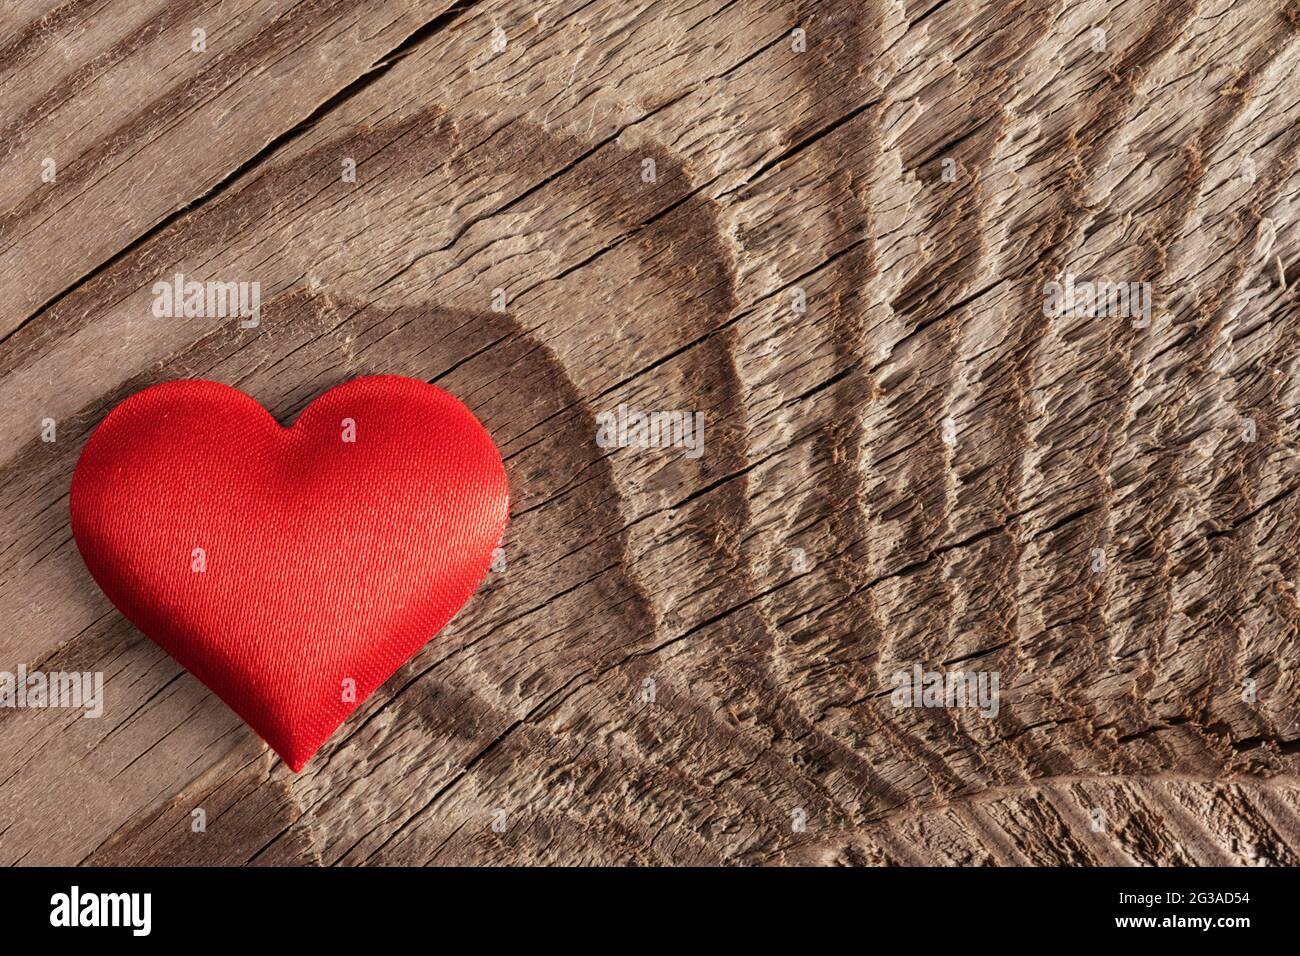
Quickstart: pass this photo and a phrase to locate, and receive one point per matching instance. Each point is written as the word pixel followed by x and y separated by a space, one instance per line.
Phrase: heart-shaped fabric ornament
pixel 291 570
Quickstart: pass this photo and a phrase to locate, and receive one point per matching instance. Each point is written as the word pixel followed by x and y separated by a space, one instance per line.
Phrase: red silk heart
pixel 285 567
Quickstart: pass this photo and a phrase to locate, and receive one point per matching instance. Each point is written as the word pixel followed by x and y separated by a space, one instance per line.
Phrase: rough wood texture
pixel 920 467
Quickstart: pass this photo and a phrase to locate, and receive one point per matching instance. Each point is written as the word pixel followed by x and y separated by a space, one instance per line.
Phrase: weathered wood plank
pixel 840 261
pixel 136 110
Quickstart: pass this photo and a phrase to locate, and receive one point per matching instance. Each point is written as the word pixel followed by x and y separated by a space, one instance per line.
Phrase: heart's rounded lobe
pixel 291 570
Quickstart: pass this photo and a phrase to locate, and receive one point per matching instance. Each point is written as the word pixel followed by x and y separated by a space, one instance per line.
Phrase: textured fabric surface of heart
pixel 291 570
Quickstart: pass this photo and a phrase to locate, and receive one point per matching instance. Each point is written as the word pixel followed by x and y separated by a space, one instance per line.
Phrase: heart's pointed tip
pixel 296 763
pixel 294 756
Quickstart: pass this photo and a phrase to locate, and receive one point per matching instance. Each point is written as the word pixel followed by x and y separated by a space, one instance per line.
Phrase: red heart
pixel 324 560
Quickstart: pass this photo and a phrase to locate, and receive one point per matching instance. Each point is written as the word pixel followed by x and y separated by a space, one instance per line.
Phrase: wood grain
pixel 840 261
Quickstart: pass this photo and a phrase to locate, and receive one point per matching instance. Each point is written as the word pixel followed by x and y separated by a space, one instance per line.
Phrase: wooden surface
pixel 690 660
